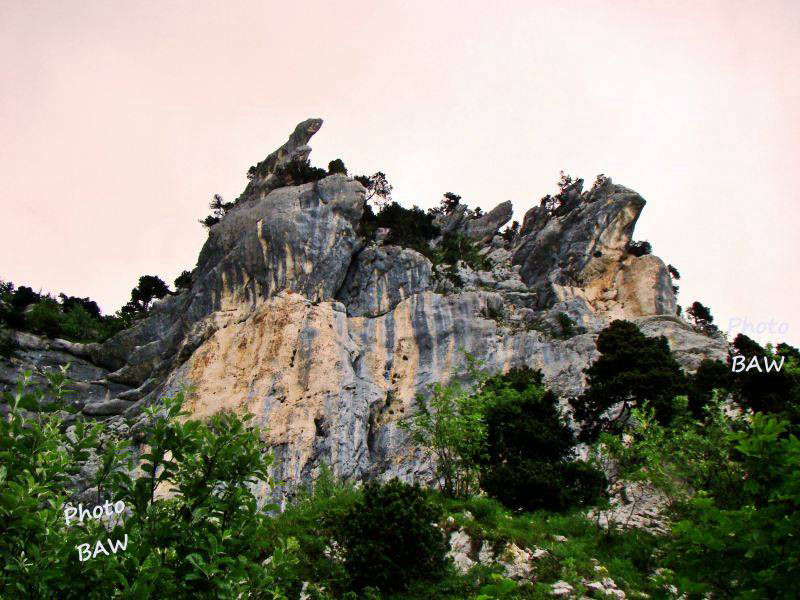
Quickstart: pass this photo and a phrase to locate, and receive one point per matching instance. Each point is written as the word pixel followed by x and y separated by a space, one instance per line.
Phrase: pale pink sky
pixel 119 121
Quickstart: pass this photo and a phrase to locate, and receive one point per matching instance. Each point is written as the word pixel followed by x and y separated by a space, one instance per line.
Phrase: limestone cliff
pixel 327 338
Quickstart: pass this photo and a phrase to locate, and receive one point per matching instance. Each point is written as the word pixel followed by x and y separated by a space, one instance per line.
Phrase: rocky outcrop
pixel 488 224
pixel 327 338
pixel 379 278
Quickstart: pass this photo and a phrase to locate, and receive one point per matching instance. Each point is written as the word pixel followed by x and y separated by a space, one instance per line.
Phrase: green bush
pixel 530 446
pixel 566 324
pixel 776 392
pixel 449 426
pixel 78 325
pixel 337 166
pixel 298 172
pixel 205 538
pixel 45 318
pixel 409 227
pixel 184 281
pixel 75 319
pixel 389 537
pixel 632 369
pixel 454 248
pixel 640 248
pixel 734 488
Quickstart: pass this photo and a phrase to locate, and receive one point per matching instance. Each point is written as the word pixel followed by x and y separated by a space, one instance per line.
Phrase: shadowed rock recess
pixel 327 338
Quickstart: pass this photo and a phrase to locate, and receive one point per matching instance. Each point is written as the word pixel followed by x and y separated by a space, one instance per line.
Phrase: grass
pixel 589 552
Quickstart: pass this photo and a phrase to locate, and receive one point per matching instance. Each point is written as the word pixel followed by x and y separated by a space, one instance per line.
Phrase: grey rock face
pixel 379 278
pixel 296 238
pixel 688 345
pixel 459 222
pixel 558 249
pixel 488 224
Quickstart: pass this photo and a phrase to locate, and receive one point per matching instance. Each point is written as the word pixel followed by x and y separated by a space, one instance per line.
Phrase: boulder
pixel 488 224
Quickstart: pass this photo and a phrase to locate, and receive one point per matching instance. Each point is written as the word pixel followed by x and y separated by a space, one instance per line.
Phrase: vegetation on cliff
pixel 730 480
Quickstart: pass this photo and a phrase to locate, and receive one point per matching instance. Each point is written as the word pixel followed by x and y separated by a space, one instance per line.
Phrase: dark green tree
pixel 219 209
pixel 700 315
pixel 337 166
pixel 409 227
pixel 640 248
pixel 150 287
pixel 710 375
pixel 45 318
pixel 775 392
pixel 449 202
pixel 184 281
pixel 528 463
pixel 389 537
pixel 632 369
pixel 379 190
pixel 89 305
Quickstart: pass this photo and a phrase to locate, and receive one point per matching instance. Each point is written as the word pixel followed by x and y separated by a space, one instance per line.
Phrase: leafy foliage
pixel 530 446
pixel 298 171
pixel 776 392
pixel 336 166
pixel 203 539
pixel 632 369
pixel 734 485
pixel 711 375
pixel 379 190
pixel 184 281
pixel 450 426
pixel 409 227
pixel 73 318
pixel 389 538
pixel 640 248
pixel 457 247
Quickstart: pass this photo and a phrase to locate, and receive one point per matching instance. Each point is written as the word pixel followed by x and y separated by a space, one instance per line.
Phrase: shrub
pixel 149 288
pixel 711 375
pixel 205 538
pixel 566 324
pixel 378 188
pixel 409 227
pixel 45 318
pixel 776 392
pixel 529 447
pixel 298 172
pixel 75 319
pixel 337 166
pixel 456 247
pixel 733 487
pixel 183 281
pixel 449 426
pixel 640 248
pixel 389 537
pixel 78 325
pixel 219 209
pixel 510 232
pixel 701 317
pixel 7 344
pixel 632 369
